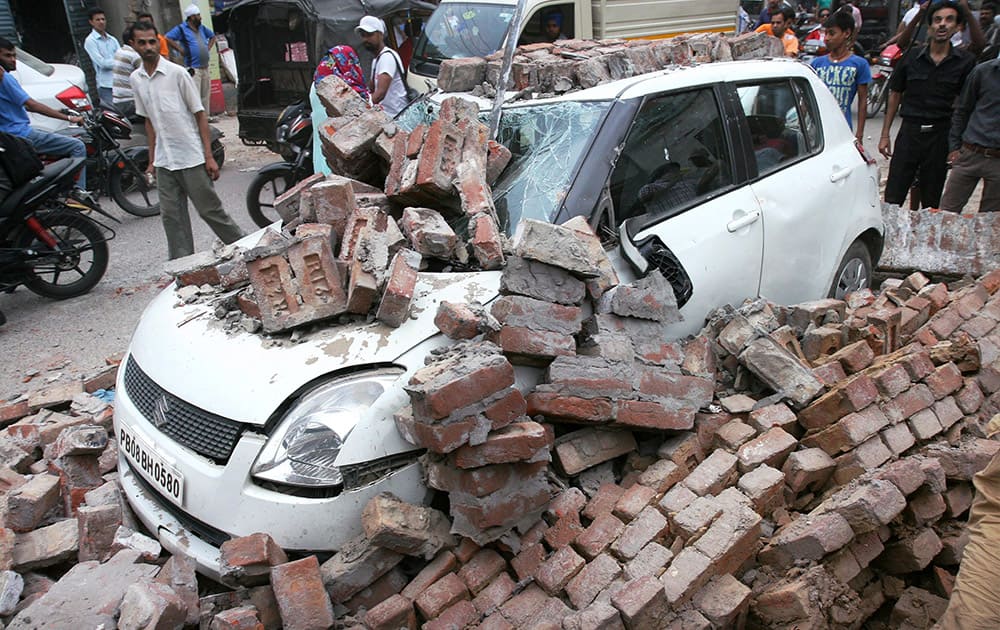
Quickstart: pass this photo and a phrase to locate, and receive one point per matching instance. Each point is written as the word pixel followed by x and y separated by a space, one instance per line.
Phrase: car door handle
pixel 742 222
pixel 843 173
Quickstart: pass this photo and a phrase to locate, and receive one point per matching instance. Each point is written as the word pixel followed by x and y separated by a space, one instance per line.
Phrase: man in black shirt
pixel 926 82
pixel 975 142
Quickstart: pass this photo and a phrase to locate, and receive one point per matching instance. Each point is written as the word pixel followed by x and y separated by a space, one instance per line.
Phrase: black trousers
pixel 918 153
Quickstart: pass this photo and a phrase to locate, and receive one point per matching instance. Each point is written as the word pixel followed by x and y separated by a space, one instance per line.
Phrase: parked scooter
pixel 294 136
pixel 878 89
pixel 47 243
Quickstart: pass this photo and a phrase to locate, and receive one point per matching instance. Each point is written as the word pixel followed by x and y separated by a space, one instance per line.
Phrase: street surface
pixel 48 340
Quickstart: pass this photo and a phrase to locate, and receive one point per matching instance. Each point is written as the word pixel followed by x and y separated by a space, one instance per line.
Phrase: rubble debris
pixel 408 529
pixel 940 242
pixel 575 64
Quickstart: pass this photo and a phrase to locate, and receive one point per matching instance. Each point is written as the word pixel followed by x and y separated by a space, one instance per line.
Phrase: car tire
pixel 854 272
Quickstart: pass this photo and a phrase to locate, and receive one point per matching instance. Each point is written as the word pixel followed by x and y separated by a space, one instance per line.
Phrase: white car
pixel 57 85
pixel 734 179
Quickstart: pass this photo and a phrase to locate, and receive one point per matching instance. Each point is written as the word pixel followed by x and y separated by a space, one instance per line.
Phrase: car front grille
pixel 204 433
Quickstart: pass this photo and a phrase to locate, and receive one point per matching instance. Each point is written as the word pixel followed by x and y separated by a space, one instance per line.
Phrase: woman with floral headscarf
pixel 343 62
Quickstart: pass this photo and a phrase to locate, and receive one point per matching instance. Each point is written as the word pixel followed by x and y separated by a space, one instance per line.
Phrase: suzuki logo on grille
pixel 160 411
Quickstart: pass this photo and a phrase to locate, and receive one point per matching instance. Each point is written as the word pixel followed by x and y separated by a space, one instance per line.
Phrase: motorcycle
pixel 294 136
pixel 47 242
pixel 117 172
pixel 878 91
pixel 813 44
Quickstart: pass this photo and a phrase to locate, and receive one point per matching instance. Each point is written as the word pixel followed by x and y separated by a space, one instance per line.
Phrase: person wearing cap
pixel 196 41
pixel 387 87
pixel 101 48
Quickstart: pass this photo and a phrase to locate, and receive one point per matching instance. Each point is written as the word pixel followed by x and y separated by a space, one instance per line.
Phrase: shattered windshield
pixel 546 142
pixel 461 29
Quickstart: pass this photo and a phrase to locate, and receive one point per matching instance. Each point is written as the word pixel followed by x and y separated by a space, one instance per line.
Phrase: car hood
pixel 245 377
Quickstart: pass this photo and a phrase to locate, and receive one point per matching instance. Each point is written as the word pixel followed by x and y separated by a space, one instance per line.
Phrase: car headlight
pixel 302 449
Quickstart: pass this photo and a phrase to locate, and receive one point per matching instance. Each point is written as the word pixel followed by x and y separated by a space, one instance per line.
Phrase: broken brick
pixel 394 308
pixel 558 570
pixel 412 530
pixel 522 441
pixel 302 600
pixel 248 559
pixel 441 595
pixel 717 471
pixel 583 449
pixel 770 448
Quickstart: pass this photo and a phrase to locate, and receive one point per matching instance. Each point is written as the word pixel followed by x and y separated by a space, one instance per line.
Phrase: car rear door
pixel 684 197
pixel 806 184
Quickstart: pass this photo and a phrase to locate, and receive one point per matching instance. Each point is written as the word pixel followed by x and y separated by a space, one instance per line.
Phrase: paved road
pixel 74 336
pixel 83 331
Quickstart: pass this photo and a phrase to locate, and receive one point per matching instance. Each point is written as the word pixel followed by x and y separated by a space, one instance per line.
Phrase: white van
pixel 460 28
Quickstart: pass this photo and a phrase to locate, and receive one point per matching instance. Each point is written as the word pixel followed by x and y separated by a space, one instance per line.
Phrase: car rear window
pixel 34 63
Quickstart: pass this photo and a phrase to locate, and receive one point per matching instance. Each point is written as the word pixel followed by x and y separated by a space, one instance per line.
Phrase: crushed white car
pixel 733 179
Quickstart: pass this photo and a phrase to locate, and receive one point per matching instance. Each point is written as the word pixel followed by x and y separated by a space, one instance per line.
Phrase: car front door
pixel 805 185
pixel 684 197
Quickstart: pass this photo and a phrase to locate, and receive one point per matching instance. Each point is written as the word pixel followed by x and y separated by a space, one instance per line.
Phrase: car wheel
pixel 854 272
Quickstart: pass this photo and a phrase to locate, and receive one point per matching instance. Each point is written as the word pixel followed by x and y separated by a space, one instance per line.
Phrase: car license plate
pixel 151 465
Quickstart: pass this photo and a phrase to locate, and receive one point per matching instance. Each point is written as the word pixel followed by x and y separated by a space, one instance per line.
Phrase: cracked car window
pixel 546 143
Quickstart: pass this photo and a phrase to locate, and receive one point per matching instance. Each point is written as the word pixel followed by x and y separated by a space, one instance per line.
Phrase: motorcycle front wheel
pixel 264 189
pixel 77 262
pixel 130 189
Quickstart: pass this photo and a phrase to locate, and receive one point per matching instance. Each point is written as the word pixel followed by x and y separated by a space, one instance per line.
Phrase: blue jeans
pixel 105 95
pixel 59 145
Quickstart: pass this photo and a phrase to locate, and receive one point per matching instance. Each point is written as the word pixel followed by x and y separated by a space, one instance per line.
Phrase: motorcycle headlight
pixel 885 61
pixel 305 444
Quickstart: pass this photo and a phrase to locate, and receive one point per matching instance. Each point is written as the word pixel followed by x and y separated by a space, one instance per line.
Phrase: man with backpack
pixel 15 105
pixel 388 87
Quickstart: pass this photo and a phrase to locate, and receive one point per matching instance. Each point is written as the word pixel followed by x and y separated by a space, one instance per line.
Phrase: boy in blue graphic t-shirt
pixel 846 74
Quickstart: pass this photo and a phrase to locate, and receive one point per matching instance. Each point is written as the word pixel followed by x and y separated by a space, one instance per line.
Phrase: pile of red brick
pixel 940 242
pixel 828 492
pixel 70 549
pixel 344 248
pixel 578 64
pixel 823 481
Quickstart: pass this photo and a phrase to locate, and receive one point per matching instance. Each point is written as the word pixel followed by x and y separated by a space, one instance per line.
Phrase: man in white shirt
pixel 179 145
pixel 388 89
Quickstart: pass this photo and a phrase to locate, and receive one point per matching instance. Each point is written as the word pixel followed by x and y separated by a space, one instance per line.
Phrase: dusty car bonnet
pixel 245 377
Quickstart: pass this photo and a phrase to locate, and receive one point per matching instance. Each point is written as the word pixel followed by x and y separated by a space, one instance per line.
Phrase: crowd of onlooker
pixel 945 89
